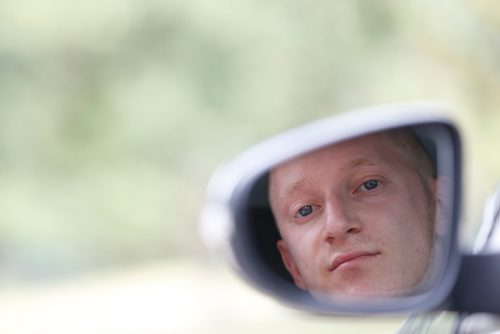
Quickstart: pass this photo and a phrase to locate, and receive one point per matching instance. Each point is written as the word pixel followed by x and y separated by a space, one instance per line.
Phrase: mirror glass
pixel 365 217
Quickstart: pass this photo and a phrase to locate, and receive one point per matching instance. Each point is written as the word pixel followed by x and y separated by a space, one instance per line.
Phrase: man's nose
pixel 340 221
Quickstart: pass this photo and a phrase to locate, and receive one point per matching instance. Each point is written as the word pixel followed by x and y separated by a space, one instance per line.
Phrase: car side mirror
pixel 356 213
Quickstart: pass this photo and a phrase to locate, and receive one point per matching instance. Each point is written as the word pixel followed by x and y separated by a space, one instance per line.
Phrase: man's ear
pixel 290 264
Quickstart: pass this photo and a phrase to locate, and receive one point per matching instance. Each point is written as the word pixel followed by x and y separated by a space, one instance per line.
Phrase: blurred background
pixel 113 115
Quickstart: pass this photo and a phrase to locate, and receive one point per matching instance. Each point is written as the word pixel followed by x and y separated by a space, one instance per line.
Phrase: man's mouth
pixel 344 258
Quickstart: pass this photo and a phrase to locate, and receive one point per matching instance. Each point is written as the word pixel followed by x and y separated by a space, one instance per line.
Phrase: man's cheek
pixel 301 236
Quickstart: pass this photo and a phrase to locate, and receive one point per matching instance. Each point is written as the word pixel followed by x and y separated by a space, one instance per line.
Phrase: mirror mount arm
pixel 477 287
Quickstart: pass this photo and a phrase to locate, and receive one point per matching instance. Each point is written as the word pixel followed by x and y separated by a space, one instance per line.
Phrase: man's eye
pixel 304 211
pixel 370 185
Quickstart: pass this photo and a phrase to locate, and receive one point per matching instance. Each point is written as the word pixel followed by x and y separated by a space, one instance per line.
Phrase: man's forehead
pixel 370 149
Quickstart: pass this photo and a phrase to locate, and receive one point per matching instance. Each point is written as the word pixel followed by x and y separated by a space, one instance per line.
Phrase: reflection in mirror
pixel 358 218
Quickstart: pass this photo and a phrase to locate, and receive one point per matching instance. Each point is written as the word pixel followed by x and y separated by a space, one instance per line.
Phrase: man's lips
pixel 349 256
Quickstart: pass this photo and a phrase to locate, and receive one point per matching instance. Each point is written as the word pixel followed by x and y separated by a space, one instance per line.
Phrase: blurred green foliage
pixel 114 113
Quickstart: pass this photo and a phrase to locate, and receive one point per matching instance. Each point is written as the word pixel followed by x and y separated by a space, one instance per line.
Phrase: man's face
pixel 356 218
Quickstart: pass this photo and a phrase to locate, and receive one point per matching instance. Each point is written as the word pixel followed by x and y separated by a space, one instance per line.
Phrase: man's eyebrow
pixel 360 162
pixel 293 187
